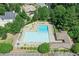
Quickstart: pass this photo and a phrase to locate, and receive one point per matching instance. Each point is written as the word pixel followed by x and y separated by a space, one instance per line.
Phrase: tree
pixel 2 31
pixel 23 15
pixel 52 16
pixel 8 27
pixel 11 7
pixel 35 17
pixel 70 16
pixel 43 13
pixel 44 48
pixel 74 33
pixel 59 10
pixel 17 24
pixel 19 20
pixel 6 5
pixel 5 47
pixel 58 16
pixel 75 48
pixel 77 8
pixel 17 8
pixel 2 10
pixel 14 7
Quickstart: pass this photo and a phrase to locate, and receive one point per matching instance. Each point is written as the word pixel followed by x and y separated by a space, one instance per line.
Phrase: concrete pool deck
pixel 33 28
pixel 54 43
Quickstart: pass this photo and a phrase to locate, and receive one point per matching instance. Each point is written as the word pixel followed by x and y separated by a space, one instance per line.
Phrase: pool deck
pixel 52 40
pixel 32 27
pixel 51 33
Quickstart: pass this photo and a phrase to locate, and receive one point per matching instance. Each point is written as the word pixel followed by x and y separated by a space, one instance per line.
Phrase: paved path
pixel 23 54
pixel 39 54
pixel 64 54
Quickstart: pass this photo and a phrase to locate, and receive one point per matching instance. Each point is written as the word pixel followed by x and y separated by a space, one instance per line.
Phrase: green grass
pixel 5 47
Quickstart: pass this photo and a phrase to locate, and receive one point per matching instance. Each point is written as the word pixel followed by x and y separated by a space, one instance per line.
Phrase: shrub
pixel 44 48
pixel 4 36
pixel 75 48
pixel 5 47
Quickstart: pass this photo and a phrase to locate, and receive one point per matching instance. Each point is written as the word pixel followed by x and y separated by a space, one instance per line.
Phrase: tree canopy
pixel 43 13
pixel 17 24
pixel 2 32
pixel 44 48
pixel 58 16
pixel 2 10
pixel 75 48
pixel 66 16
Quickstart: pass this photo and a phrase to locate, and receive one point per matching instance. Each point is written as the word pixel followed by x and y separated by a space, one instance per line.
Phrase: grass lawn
pixel 6 44
pixel 9 39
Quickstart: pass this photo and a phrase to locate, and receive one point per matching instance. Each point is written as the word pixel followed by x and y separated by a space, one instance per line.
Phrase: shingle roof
pixel 8 15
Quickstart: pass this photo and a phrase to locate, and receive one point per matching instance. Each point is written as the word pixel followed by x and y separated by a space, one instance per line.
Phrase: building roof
pixel 8 15
pixel 29 8
pixel 41 4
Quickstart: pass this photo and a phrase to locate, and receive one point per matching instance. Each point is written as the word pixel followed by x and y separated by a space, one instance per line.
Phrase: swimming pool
pixel 40 36
pixel 42 28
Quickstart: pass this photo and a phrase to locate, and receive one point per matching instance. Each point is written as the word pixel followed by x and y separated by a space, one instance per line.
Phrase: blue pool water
pixel 40 36
pixel 42 28
pixel 30 37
